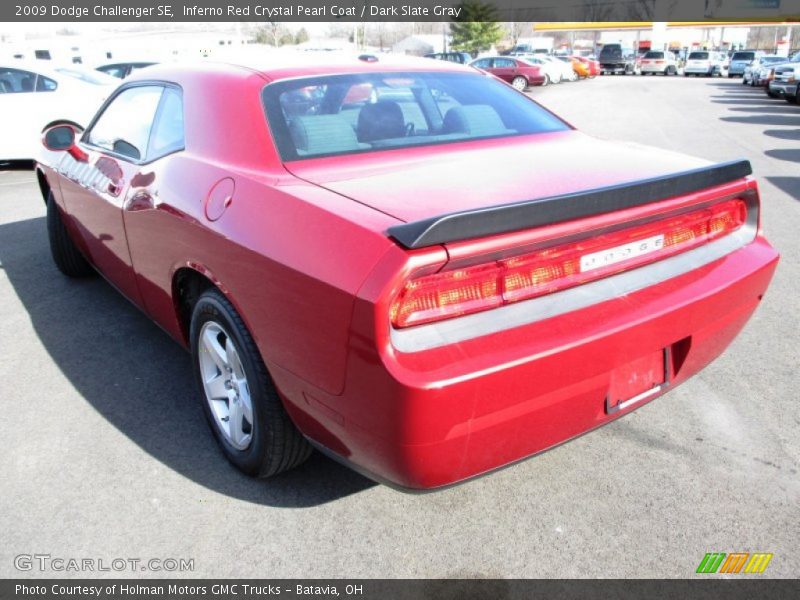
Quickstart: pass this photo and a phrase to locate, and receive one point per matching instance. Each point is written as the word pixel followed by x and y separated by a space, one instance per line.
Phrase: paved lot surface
pixel 105 453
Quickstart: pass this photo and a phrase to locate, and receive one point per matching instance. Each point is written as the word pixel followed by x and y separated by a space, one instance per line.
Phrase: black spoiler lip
pixel 505 218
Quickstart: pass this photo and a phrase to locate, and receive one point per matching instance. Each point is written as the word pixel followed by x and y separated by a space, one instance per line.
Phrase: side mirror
pixel 61 138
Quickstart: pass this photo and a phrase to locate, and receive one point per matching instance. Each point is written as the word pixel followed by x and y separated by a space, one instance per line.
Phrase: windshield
pixel 698 56
pixel 743 56
pixel 348 114
pixel 88 76
pixel 654 55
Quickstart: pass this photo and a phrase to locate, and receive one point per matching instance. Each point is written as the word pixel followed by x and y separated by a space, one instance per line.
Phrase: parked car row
pixel 524 71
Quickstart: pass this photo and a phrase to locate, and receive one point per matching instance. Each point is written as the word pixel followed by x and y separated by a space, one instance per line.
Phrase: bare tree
pixel 516 30
pixel 595 10
pixel 641 10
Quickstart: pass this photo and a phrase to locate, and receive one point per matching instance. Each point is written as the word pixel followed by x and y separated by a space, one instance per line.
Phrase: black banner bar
pixel 740 587
pixel 395 10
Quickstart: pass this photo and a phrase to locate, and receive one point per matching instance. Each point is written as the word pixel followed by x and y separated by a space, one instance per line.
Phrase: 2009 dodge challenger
pixel 392 262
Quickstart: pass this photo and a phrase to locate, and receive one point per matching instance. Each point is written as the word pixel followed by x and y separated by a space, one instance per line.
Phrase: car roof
pixel 276 65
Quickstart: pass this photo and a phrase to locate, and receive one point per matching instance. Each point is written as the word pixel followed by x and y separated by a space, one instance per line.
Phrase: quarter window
pixel 167 135
pixel 45 84
pixel 124 127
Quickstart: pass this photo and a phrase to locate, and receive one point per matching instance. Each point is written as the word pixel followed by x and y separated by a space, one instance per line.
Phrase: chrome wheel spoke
pixel 214 349
pixel 216 388
pixel 235 422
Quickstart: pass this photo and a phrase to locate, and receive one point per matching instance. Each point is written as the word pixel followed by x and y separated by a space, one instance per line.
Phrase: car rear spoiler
pixel 554 209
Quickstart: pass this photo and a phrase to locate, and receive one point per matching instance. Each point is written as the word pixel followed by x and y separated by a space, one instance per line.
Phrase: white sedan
pixel 35 94
pixel 553 69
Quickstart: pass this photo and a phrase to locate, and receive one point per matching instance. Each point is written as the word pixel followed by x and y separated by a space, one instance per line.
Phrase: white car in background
pixel 567 72
pixel 553 69
pixel 35 94
pixel 654 62
pixel 706 62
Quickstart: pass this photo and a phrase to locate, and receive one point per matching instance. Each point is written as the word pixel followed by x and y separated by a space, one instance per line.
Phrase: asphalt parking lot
pixel 106 454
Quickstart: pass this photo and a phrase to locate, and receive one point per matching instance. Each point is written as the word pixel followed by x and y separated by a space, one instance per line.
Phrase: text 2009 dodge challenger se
pixel 392 262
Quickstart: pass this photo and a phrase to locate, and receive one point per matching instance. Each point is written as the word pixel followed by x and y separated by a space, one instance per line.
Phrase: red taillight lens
pixel 472 289
pixel 448 294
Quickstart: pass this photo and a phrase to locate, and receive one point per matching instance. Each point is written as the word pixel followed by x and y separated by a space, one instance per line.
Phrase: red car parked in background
pixel 516 71
pixel 394 263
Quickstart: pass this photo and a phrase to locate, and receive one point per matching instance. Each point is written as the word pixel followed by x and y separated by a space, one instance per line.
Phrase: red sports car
pixel 519 73
pixel 392 261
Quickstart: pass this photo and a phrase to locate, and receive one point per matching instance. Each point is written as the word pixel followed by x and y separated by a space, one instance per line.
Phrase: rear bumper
pixel 613 67
pixel 654 68
pixel 433 418
pixel 699 70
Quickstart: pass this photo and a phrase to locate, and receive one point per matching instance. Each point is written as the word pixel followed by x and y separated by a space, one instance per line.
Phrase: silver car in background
pixel 741 60
pixel 786 83
pixel 752 72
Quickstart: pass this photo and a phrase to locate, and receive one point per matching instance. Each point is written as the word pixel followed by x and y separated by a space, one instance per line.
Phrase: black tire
pixel 276 444
pixel 771 94
pixel 66 255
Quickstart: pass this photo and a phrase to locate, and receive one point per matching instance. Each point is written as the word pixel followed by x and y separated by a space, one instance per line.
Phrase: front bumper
pixel 783 88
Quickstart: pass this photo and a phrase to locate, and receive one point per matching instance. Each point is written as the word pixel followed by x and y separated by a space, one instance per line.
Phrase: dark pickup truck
pixel 615 58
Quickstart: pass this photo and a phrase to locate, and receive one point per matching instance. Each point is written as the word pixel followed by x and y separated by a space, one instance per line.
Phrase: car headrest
pixel 475 120
pixel 322 134
pixel 380 121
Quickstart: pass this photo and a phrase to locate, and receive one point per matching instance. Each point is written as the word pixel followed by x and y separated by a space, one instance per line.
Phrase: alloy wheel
pixel 225 385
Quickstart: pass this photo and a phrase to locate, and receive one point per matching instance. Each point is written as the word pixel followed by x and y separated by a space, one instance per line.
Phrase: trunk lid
pixel 413 184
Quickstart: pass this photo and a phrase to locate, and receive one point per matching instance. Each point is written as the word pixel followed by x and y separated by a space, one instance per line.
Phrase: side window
pixel 45 84
pixel 14 81
pixel 484 63
pixel 124 127
pixel 504 63
pixel 117 71
pixel 167 134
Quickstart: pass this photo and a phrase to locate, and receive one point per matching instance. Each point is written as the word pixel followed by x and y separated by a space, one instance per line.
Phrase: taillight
pixel 484 286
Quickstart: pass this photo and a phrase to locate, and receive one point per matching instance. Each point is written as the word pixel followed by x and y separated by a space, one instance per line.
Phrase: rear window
pixel 357 113
pixel 698 56
pixel 743 56
pixel 654 55
pixel 611 50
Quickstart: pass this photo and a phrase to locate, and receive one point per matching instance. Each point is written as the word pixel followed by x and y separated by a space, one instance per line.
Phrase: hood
pixel 419 183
